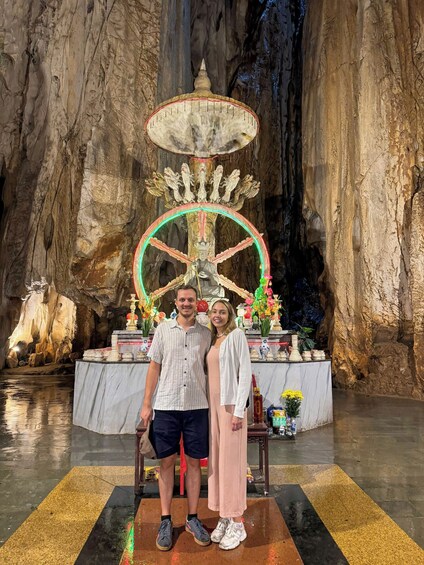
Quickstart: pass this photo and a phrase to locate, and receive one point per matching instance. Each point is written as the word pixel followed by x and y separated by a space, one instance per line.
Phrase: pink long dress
pixel 227 450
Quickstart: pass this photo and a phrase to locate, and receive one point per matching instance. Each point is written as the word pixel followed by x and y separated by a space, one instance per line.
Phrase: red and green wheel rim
pixel 184 210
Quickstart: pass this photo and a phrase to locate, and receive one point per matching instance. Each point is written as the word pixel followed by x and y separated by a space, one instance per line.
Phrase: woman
pixel 230 377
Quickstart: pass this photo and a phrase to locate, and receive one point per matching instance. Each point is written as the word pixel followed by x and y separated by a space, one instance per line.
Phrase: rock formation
pixel 45 329
pixel 342 211
pixel 363 126
pixel 78 80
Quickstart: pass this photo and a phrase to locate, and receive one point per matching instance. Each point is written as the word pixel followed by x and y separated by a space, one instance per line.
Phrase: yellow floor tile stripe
pixel 56 532
pixel 361 529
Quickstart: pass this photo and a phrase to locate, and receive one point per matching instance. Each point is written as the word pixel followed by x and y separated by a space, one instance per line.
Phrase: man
pixel 176 372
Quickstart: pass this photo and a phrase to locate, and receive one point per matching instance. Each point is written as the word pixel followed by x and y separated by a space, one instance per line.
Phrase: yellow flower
pixel 292 401
pixel 293 394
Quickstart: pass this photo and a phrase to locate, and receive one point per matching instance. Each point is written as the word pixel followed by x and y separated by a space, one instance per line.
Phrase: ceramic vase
pixel 295 355
pixel 264 348
pixel 144 345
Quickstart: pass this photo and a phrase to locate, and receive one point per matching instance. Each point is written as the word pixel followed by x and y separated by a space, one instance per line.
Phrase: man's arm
pixel 151 384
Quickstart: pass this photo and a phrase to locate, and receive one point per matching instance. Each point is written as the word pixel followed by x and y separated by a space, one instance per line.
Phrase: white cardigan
pixel 235 371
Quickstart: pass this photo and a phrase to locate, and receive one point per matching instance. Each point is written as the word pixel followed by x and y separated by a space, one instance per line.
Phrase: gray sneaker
pixel 196 529
pixel 164 539
pixel 219 531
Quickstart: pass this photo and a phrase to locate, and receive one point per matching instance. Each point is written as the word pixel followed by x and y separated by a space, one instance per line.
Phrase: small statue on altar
pixel 241 311
pixel 132 316
pixel 203 274
pixel 275 320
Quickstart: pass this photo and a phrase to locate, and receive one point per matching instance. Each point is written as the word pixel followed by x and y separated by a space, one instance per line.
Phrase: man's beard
pixel 187 315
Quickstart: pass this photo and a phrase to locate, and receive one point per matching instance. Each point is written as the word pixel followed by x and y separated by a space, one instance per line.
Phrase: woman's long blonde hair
pixel 230 325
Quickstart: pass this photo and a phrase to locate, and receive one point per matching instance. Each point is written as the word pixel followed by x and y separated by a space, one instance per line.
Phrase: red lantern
pixel 202 306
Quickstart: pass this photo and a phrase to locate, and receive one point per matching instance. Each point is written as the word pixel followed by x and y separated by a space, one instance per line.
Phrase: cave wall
pixel 339 91
pixel 78 80
pixel 253 54
pixel 363 134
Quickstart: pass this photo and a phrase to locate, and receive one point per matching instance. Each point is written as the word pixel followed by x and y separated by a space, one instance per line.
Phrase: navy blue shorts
pixel 168 425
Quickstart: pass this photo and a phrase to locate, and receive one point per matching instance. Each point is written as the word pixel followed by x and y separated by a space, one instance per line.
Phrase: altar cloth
pixel 108 396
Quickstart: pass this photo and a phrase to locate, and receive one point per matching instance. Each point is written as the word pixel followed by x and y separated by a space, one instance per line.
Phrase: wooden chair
pixel 258 433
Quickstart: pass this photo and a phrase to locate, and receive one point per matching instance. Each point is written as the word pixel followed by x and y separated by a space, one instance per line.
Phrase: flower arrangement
pixel 160 317
pixel 264 305
pixel 292 400
pixel 148 315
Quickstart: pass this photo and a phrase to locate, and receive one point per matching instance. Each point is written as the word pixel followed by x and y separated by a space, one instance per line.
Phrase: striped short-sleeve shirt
pixel 181 354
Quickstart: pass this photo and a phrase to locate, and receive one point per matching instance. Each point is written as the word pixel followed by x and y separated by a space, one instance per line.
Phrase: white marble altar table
pixel 108 396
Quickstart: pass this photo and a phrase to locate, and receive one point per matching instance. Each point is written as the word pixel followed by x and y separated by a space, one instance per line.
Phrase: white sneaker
pixel 219 531
pixel 234 535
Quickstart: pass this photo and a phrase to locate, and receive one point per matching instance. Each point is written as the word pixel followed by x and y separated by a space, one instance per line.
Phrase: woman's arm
pixel 245 373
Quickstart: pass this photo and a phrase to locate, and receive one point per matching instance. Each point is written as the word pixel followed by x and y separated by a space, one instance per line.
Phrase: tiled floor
pixel 316 514
pixel 377 442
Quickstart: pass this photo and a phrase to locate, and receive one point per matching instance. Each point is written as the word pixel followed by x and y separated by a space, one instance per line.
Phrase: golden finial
pixel 202 83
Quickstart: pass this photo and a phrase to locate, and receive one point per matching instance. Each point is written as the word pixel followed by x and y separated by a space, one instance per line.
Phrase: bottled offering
pixel 278 419
pixel 258 409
